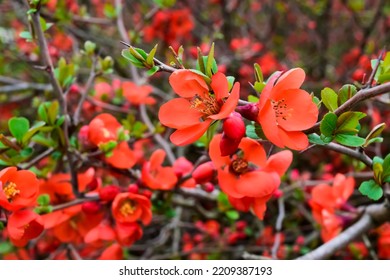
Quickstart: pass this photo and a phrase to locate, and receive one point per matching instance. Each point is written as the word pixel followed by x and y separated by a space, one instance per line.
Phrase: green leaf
pixel 206 78
pixel 89 47
pixel 25 35
pixel 251 132
pixel 126 54
pixel 153 70
pixel 350 140
pixel 43 199
pixel 5 247
pixel 315 139
pixel 378 171
pixel 371 189
pixel 18 126
pixel 329 98
pixel 223 202
pixel 258 87
pixel 150 57
pixel 232 215
pixel 386 167
pixel 374 133
pixel 328 124
pixel 33 130
pixel 345 93
pixel 258 73
pixel 253 99
pixel 348 122
pixel 230 80
pixel 385 77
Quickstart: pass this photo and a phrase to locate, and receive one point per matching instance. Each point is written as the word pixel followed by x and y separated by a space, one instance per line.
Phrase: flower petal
pixel 177 113
pixel 122 157
pixel 302 113
pixel 295 140
pixel 215 152
pixel 187 84
pixel 228 182
pixel 253 151
pixel 268 123
pixel 267 89
pixel 257 183
pixel 279 162
pixel 229 105
pixel 220 86
pixel 189 134
pixel 291 79
pixel 259 206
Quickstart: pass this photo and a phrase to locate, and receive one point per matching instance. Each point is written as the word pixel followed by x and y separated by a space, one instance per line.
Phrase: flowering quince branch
pixel 372 216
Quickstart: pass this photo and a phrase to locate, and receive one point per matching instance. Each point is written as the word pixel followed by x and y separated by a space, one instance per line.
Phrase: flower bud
pixel 228 145
pixel 90 207
pixel 208 187
pixel 93 184
pixel 133 188
pixel 234 126
pixel 109 193
pixel 204 172
pixel 249 111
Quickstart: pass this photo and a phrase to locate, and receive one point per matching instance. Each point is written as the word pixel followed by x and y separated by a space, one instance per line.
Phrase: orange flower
pixel 137 95
pixel 128 233
pixel 248 173
pixel 197 107
pixel 18 189
pixel 105 128
pixel 326 200
pixel 24 225
pixel 156 176
pixel 285 110
pixel 112 252
pixel 130 207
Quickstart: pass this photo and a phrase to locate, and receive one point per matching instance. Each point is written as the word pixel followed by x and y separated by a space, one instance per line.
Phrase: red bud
pixel 234 126
pixel 249 111
pixel 90 207
pixel 109 193
pixel 204 172
pixel 133 188
pixel 208 187
pixel 228 146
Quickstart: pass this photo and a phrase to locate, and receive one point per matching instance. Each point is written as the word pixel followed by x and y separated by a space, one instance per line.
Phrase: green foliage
pixel 346 93
pixel 329 99
pixel 371 189
pixel 65 72
pixel 18 126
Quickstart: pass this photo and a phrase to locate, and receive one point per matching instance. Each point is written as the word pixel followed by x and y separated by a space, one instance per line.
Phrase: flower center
pixel 207 105
pixel 280 108
pixel 239 166
pixel 11 191
pixel 127 208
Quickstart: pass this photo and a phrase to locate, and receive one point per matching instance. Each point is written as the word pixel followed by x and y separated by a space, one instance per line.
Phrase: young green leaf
pixel 18 126
pixel 329 98
pixel 371 189
pixel 349 140
pixel 345 93
pixel 328 124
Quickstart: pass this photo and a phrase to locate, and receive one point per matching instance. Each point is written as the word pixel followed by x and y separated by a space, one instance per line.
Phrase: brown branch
pixel 373 216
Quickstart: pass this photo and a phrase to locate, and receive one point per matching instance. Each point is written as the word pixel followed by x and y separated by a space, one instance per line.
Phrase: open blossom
pixel 326 200
pixel 130 207
pixel 285 110
pixel 18 189
pixel 248 173
pixel 105 128
pixel 198 106
pixel 24 225
pixel 136 94
pixel 156 176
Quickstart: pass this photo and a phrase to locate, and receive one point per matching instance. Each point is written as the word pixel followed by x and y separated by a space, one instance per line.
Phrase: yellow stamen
pixel 10 190
pixel 239 166
pixel 207 105
pixel 127 208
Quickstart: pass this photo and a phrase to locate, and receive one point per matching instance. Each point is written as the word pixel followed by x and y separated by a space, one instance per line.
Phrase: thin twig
pixel 373 216
pixel 278 227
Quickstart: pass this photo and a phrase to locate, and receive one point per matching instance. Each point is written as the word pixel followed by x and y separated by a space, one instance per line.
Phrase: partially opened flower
pixel 130 207
pixel 18 189
pixel 285 110
pixel 248 173
pixel 136 94
pixel 128 233
pixel 105 128
pixel 156 176
pixel 198 106
pixel 24 225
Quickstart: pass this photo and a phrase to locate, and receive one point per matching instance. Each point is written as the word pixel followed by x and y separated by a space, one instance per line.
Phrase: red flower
pixel 285 110
pixel 137 95
pixel 18 189
pixel 105 128
pixel 112 252
pixel 128 233
pixel 197 107
pixel 24 225
pixel 102 232
pixel 157 177
pixel 248 173
pixel 130 207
